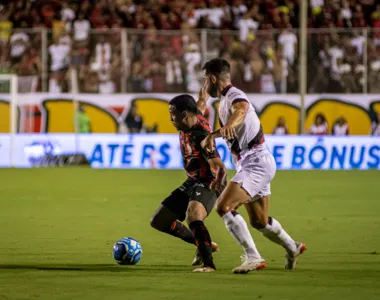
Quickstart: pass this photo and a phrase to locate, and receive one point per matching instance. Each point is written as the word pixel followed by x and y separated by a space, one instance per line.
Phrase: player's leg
pixel 232 197
pixel 165 217
pixel 255 172
pixel 195 217
pixel 201 205
pixel 271 228
pixel 261 172
pixel 268 226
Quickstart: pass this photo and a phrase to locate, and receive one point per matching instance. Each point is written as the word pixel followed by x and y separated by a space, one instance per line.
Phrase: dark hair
pixel 183 103
pixel 320 115
pixel 216 66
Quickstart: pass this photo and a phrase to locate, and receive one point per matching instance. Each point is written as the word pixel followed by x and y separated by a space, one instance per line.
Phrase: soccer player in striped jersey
pixel 256 167
pixel 196 197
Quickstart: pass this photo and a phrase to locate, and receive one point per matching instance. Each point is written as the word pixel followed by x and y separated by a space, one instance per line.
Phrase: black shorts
pixel 179 199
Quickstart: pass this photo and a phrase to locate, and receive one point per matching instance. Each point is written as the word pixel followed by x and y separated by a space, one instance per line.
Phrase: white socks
pixel 278 235
pixel 238 228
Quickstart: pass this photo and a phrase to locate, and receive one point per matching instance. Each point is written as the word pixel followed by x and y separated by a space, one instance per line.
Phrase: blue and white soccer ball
pixel 127 251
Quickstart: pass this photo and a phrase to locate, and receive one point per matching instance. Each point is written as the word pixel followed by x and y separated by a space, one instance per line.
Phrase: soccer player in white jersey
pixel 256 167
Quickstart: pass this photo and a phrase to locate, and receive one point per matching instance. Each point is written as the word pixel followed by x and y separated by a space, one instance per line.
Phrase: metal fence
pixel 129 60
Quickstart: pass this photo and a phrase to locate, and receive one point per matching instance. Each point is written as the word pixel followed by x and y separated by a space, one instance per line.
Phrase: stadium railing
pixel 156 60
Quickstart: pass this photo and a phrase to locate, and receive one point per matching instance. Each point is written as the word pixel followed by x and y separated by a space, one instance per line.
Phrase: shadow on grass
pixel 93 267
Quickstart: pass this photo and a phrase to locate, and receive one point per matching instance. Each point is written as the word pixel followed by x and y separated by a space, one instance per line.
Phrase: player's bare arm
pixel 239 111
pixel 228 131
pixel 203 96
pixel 209 143
pixel 221 174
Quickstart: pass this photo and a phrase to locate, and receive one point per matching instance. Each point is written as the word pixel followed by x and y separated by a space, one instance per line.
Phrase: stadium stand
pixel 160 45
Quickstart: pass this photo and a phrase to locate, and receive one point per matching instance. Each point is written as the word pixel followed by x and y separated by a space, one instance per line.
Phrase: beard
pixel 212 90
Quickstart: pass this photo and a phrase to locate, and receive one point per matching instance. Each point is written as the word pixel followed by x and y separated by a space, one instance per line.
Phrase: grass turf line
pixel 57 228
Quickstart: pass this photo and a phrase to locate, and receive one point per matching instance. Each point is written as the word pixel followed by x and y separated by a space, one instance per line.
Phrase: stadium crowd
pixel 165 47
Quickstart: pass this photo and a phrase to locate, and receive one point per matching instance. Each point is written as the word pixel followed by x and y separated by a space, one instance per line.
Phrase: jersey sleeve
pixel 235 96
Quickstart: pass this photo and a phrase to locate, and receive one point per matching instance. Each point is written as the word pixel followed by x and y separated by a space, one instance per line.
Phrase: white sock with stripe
pixel 274 232
pixel 238 228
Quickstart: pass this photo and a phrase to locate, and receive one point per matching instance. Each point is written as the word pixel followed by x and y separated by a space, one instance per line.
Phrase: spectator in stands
pixel 117 72
pixel 60 58
pixel 174 76
pixel 81 29
pixel 102 56
pixel 374 75
pixel 375 128
pixel 257 65
pixel 246 24
pixel 280 67
pixel 136 80
pixel 375 22
pixel 291 82
pixel 358 42
pixel 320 81
pixel 133 121
pixel 320 126
pixel 215 15
pixel 346 13
pixel 336 54
pixel 67 14
pixel 19 43
pixel 192 60
pixel 267 82
pixel 90 81
pixel 238 9
pixel 281 127
pixel 28 69
pixel 246 18
pixel 288 43
pixel 78 62
pixel 29 65
pixel 5 33
pixel 358 19
pixel 188 15
pixel 341 127
pixel 106 85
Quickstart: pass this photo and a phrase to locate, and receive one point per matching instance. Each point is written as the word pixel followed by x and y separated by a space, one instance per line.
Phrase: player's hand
pixel 203 94
pixel 208 143
pixel 228 132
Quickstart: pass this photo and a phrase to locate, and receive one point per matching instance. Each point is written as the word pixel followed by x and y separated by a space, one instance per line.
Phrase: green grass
pixel 57 228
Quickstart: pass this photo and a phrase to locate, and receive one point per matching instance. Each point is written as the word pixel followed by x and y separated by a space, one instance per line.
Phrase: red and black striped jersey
pixel 195 158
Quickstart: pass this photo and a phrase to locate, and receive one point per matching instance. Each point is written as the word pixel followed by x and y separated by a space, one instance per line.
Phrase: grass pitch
pixel 57 228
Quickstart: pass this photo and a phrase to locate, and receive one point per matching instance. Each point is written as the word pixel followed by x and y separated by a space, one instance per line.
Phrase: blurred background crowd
pixel 160 45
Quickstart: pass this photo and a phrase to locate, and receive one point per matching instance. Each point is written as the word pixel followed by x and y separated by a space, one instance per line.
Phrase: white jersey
pixel 249 133
pixel 341 129
pixel 375 128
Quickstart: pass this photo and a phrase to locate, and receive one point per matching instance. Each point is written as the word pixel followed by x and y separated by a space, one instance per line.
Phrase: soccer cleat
pixel 197 261
pixel 249 264
pixel 291 258
pixel 204 270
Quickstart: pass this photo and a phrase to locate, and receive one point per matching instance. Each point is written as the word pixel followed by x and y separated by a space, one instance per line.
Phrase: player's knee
pixel 258 223
pixel 195 213
pixel 153 222
pixel 156 223
pixel 191 218
pixel 223 208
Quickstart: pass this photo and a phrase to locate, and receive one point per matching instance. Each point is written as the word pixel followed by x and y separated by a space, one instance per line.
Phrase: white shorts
pixel 256 171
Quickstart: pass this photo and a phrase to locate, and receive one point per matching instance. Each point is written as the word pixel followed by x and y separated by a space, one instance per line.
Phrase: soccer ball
pixel 127 251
